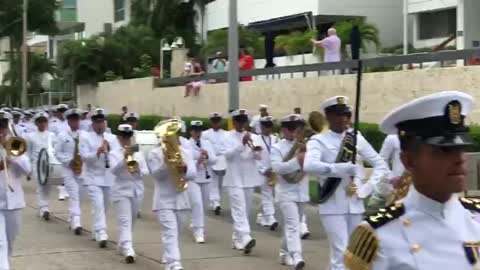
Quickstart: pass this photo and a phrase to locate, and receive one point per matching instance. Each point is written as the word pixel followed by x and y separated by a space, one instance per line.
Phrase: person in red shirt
pixel 246 63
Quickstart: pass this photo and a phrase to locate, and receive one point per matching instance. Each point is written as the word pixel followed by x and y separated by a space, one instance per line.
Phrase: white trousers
pixel 267 207
pixel 240 203
pixel 198 194
pixel 338 229
pixel 9 225
pixel 43 193
pixel 292 214
pixel 75 191
pixel 171 224
pixel 127 210
pixel 100 197
pixel 216 190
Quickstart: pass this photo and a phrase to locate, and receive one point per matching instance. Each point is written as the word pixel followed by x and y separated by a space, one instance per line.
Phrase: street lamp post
pixel 24 98
pixel 233 68
pixel 163 47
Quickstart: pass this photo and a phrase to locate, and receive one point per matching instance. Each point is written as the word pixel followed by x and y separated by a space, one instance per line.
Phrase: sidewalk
pixel 50 245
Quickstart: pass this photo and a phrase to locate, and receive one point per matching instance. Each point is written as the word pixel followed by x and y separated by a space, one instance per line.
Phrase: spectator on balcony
pixel 332 45
pixel 192 68
pixel 246 63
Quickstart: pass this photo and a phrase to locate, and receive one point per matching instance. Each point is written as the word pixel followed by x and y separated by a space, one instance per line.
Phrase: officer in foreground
pixel 431 228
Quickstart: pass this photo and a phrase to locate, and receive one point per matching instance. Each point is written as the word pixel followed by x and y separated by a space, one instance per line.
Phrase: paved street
pixel 50 245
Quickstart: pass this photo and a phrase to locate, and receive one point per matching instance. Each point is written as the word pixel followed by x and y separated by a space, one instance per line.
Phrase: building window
pixel 119 10
pixel 68 12
pixel 437 24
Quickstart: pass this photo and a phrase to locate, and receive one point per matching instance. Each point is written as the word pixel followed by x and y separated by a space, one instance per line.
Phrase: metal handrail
pixel 343 65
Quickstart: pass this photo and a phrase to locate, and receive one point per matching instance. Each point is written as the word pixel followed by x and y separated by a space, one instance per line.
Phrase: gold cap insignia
pixel 402 133
pixel 340 101
pixel 454 113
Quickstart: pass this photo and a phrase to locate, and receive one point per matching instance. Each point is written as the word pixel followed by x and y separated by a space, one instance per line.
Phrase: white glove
pixel 345 169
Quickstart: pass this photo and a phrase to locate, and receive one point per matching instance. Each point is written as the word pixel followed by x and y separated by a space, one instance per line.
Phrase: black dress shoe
pixel 248 248
pixel 46 215
pixel 300 265
pixel 102 244
pixel 217 210
pixel 274 226
pixel 305 235
pixel 78 230
pixel 129 259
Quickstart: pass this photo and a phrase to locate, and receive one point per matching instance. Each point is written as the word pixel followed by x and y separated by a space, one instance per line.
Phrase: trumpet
pixel 207 175
pixel 250 144
pixel 132 164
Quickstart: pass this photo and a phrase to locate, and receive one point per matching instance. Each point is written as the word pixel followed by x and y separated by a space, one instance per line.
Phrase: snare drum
pixel 49 169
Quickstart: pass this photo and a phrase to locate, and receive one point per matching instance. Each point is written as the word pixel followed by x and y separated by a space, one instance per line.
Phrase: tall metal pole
pixel 24 98
pixel 233 67
pixel 161 59
pixel 405 27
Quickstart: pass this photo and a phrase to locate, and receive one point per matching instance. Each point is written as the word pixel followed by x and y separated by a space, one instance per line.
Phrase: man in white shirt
pixel 94 151
pixel 241 180
pixel 329 156
pixel 199 188
pixel 266 216
pixel 170 202
pixel 11 193
pixel 18 127
pixel 128 189
pixel 37 141
pixel 217 137
pixel 390 152
pixel 291 190
pixel 67 151
pixel 60 125
pixel 255 122
pixel 86 123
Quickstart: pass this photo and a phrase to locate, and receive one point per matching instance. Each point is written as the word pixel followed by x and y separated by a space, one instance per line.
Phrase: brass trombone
pixel 14 146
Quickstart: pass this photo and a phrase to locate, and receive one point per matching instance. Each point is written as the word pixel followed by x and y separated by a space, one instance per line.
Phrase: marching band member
pixel 129 166
pixel 290 196
pixel 266 140
pixel 241 180
pixel 255 126
pixel 36 141
pixel 94 151
pixel 11 193
pixel 390 152
pixel 199 188
pixel 85 122
pixel 18 126
pixel 431 228
pixel 67 150
pixel 170 203
pixel 59 125
pixel 217 138
pixel 26 121
pixel 342 208
pixel 132 118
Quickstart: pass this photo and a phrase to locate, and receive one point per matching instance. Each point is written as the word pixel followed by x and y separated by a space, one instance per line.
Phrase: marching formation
pixel 397 209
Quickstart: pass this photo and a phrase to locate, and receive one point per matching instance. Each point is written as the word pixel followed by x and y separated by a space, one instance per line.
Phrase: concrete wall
pixel 415 6
pixel 94 14
pixel 471 24
pixel 381 93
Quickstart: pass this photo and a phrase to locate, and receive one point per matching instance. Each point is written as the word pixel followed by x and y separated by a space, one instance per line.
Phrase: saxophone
pixel 171 151
pixel 77 162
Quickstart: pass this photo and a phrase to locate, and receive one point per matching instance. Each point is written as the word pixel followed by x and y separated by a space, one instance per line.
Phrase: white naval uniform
pixel 267 210
pixel 64 149
pixel 11 204
pixel 170 205
pixel 20 129
pixel 240 181
pixel 97 178
pixel 36 141
pixel 127 194
pixel 218 140
pixel 255 124
pixel 29 126
pixel 340 214
pixel 59 126
pixel 86 125
pixel 290 198
pixel 439 232
pixel 199 188
pixel 390 152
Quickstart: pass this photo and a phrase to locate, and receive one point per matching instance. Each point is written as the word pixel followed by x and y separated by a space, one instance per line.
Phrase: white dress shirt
pixel 322 151
pixel 127 184
pixel 241 164
pixel 59 126
pixel 390 152
pixel 36 141
pixel 439 231
pixel 255 124
pixel 165 194
pixel 201 167
pixel 18 168
pixel 284 191
pixel 218 140
pixel 263 157
pixel 86 125
pixel 96 173
pixel 65 148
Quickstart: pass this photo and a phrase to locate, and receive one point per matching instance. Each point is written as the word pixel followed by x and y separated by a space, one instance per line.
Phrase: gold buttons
pixel 416 248
pixel 407 222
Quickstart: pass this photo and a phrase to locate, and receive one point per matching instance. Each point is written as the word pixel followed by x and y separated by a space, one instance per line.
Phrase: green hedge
pixel 369 131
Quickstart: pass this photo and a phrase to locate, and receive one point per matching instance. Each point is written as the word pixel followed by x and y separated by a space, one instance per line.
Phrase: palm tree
pixel 296 43
pixel 368 31
pixel 218 41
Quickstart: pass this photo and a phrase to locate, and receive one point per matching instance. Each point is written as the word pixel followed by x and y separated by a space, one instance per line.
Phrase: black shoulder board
pixel 385 215
pixel 471 204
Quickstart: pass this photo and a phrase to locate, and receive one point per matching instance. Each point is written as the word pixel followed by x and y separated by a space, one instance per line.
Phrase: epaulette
pixel 471 204
pixel 385 215
pixel 362 248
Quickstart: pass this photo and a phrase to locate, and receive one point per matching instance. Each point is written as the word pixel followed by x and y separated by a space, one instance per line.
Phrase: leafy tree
pixel 218 41
pixel 368 31
pixel 296 42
